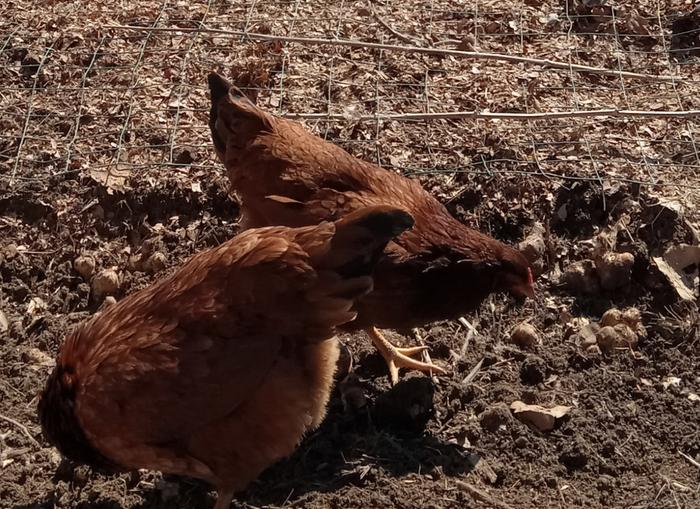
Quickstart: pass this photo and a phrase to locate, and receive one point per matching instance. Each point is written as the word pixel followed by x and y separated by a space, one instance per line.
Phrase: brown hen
pixel 218 370
pixel 285 175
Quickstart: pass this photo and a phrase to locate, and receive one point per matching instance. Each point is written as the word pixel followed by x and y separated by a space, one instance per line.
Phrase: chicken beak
pixel 523 292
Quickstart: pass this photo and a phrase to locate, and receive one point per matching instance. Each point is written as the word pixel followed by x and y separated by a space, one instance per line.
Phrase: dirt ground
pixel 105 152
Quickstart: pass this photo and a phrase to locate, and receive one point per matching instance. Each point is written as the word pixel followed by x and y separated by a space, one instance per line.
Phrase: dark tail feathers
pixel 361 237
pixel 232 115
pixel 384 221
pixel 218 87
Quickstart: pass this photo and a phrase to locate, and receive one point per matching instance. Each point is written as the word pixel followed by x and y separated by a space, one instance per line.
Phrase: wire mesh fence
pixel 557 90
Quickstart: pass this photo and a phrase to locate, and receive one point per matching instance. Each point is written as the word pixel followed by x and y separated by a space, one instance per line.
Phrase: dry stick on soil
pixel 481 495
pixel 472 374
pixel 22 428
pixel 471 332
pixel 690 460
pixel 396 33
pixel 426 355
pixel 487 115
pixel 553 64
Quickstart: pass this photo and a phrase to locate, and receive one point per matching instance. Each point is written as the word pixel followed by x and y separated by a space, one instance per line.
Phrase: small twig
pixel 396 33
pixel 38 252
pixel 428 360
pixel 14 453
pixel 472 374
pixel 291 492
pixel 488 115
pixel 90 204
pixel 481 495
pixel 501 363
pixel 553 64
pixel 426 355
pixel 465 322
pixel 470 334
pixel 8 40
pixel 690 460
pixel 22 428
pixel 680 486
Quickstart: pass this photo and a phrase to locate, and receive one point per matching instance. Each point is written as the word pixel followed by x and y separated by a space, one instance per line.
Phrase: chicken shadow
pixel 386 437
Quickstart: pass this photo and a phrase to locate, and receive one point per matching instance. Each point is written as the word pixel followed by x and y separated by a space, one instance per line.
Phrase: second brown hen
pixel 218 370
pixel 286 175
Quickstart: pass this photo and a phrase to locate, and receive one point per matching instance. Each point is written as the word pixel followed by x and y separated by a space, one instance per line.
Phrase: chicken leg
pixel 396 357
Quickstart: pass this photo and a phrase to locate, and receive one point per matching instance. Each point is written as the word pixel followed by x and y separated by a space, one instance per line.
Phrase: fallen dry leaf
pixel 674 278
pixel 672 265
pixel 538 416
pixel 113 178
pixel 681 256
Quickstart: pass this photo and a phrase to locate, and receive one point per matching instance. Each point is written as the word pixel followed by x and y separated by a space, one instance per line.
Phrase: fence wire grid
pixel 117 92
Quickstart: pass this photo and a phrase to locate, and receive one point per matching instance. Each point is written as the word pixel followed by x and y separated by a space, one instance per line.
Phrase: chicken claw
pixel 396 357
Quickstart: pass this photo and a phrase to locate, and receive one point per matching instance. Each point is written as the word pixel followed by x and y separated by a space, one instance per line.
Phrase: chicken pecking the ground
pixel 285 175
pixel 217 371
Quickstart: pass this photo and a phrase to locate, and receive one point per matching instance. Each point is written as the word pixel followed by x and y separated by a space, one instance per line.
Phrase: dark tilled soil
pixel 413 446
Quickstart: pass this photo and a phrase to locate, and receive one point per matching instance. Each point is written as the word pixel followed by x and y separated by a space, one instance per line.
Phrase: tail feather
pixel 383 221
pixel 218 87
pixel 346 258
pixel 233 118
pixel 360 239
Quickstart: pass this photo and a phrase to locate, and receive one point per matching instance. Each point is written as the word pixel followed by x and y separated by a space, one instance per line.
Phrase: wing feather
pixel 195 346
